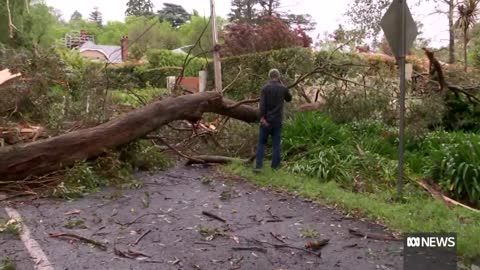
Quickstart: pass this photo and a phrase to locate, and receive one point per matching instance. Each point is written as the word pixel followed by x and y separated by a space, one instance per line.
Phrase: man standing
pixel 271 116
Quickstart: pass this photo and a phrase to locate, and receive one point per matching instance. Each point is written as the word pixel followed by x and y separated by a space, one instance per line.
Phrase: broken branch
pixel 208 214
pixel 142 236
pixel 374 236
pixel 81 238
pixel 436 193
pixel 258 249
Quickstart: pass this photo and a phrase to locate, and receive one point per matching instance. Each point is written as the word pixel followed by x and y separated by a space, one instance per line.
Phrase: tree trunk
pixel 465 49
pixel 451 45
pixel 41 157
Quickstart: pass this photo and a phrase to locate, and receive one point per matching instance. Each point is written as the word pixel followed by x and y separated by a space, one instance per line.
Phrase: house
pixel 105 53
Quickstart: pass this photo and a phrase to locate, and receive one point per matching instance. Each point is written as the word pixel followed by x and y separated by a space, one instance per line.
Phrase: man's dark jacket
pixel 271 102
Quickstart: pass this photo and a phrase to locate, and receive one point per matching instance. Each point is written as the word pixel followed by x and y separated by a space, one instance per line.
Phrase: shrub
pixel 456 164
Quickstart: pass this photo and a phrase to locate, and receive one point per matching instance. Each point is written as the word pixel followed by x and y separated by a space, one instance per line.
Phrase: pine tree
pixel 96 16
pixel 139 8
pixel 244 10
pixel 76 16
pixel 270 7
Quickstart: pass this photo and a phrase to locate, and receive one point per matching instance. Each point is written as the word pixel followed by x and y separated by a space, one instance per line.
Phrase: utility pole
pixel 216 53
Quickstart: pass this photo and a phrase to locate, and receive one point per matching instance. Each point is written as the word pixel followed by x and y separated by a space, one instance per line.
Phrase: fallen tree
pixel 44 156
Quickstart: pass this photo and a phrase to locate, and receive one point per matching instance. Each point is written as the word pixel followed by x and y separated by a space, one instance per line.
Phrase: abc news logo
pixel 431 242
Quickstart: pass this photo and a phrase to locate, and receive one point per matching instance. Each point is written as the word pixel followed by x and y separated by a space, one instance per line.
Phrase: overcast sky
pixel 327 16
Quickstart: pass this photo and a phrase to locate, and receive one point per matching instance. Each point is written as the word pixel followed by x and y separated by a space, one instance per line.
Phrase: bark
pixel 213 160
pixel 465 49
pixel 33 159
pixel 451 44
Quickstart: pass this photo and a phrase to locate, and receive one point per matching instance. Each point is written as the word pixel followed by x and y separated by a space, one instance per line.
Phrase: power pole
pixel 216 53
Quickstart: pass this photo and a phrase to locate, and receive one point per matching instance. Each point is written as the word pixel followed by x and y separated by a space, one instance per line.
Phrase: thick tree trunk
pixel 19 162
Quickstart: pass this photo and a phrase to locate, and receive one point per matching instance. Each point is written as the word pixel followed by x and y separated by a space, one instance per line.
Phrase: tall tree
pixel 139 8
pixel 15 22
pixel 96 16
pixel 269 7
pixel 467 17
pixel 272 34
pixel 176 15
pixel 76 16
pixel 244 11
pixel 302 21
pixel 366 16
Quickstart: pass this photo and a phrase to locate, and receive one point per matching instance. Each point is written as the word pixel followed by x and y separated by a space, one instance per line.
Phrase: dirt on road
pixel 194 218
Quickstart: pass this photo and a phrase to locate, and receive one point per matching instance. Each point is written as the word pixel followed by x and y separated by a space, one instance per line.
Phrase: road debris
pixel 142 236
pixel 373 236
pixel 81 238
pixel 208 214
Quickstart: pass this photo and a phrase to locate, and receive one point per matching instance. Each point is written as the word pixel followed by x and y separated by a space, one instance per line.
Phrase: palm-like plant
pixel 467 17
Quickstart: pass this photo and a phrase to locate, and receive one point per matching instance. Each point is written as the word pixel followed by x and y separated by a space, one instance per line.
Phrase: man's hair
pixel 274 74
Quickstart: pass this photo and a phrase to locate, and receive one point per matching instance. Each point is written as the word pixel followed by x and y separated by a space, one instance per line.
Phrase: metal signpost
pixel 400 30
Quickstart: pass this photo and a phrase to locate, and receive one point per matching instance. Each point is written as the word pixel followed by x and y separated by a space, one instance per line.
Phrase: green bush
pixel 456 164
pixel 158 58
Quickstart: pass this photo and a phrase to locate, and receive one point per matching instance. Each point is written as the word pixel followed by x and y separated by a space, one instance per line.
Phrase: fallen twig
pixel 128 224
pixel 436 193
pixel 212 159
pixel 205 243
pixel 319 254
pixel 142 236
pixel 276 237
pixel 248 101
pixel 81 238
pixel 208 214
pixel 374 236
pixel 258 249
pixel 350 246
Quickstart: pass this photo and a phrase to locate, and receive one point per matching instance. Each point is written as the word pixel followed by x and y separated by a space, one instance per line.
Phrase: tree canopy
pixel 139 8
pixel 174 14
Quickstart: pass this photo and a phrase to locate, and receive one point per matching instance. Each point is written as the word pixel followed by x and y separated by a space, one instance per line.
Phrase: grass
pixel 12 226
pixel 419 212
pixel 308 233
pixel 76 224
pixel 210 233
pixel 7 264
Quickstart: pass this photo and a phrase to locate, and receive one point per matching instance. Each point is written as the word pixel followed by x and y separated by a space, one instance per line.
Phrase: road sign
pixel 400 30
pixel 392 27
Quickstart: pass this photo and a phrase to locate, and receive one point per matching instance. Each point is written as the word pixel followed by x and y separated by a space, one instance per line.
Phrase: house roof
pixel 112 53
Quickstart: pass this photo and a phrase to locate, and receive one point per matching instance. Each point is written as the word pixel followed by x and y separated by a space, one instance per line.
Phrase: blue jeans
pixel 276 133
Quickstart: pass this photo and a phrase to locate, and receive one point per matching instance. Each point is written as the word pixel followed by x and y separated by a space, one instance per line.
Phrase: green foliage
pixel 139 8
pixel 12 226
pixel 158 58
pixel 366 153
pixel 7 264
pixel 131 98
pixel 308 233
pixel 76 224
pixel 144 155
pixel 456 164
pixel 174 14
pixel 80 180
